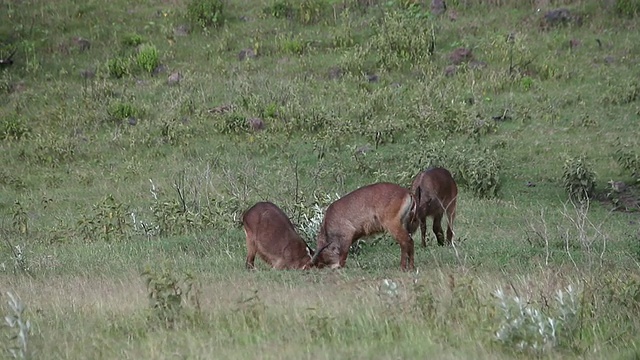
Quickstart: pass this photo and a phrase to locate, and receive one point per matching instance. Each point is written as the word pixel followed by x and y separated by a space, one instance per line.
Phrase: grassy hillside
pixel 134 134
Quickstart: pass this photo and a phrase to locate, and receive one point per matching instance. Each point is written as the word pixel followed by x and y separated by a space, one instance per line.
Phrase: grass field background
pixel 128 159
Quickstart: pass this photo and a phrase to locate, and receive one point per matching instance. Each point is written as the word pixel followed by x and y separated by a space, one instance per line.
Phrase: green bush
pixel 480 173
pixel 401 39
pixel 108 220
pixel 629 8
pixel 578 179
pixel 279 10
pixel 168 294
pixel 119 67
pixel 206 13
pixel 148 58
pixel 14 128
pixel 628 160
pixel 122 110
pixel 132 39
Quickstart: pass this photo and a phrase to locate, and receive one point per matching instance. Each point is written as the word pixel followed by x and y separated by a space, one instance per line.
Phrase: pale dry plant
pixel 587 233
pixel 525 327
pixel 19 329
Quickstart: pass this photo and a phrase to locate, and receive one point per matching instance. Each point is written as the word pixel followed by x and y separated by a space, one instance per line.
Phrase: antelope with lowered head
pixel 365 211
pixel 271 235
pixel 435 193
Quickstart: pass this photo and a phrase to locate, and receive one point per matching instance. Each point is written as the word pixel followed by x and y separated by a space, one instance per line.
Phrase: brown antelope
pixel 271 235
pixel 435 193
pixel 368 210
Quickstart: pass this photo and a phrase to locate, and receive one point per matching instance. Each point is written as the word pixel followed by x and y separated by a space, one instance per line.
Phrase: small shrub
pixel 20 218
pixel 123 110
pixel 480 173
pixel 132 40
pixel 628 159
pixel 206 13
pixel 231 123
pixel 311 11
pixel 629 8
pixel 526 328
pixel 312 220
pixel 175 133
pixel 279 10
pixel 578 179
pixel 13 127
pixel 167 295
pixel 53 151
pixel 401 39
pixel 148 58
pixel 292 45
pixel 119 67
pixel 107 221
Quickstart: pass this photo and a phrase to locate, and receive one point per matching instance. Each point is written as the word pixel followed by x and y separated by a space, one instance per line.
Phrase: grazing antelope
pixel 271 235
pixel 368 210
pixel 435 193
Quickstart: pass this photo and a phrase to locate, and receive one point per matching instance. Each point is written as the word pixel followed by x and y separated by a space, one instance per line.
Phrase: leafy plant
pixel 148 58
pixel 628 159
pixel 168 293
pixel 13 127
pixel 132 39
pixel 292 44
pixel 123 110
pixel 578 179
pixel 20 218
pixel 108 221
pixel 401 39
pixel 231 123
pixel 526 328
pixel 53 151
pixel 629 8
pixel 480 173
pixel 119 67
pixel 279 9
pixel 206 13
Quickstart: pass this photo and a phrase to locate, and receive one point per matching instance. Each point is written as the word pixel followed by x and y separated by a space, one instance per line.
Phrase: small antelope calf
pixel 271 235
pixel 435 192
pixel 368 210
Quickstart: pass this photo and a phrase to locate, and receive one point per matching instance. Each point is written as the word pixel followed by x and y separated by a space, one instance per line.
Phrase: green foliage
pixel 627 159
pixel 206 13
pixel 148 58
pixel 107 221
pixel 311 11
pixel 20 219
pixel 119 67
pixel 13 127
pixel 578 179
pixel 123 110
pixel 304 11
pixel 132 39
pixel 279 9
pixel 231 123
pixel 52 150
pixel 629 8
pixel 175 133
pixel 169 295
pixel 480 173
pixel 401 39
pixel 294 45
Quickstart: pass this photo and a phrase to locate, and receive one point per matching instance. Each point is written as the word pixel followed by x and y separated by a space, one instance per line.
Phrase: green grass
pixel 75 170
